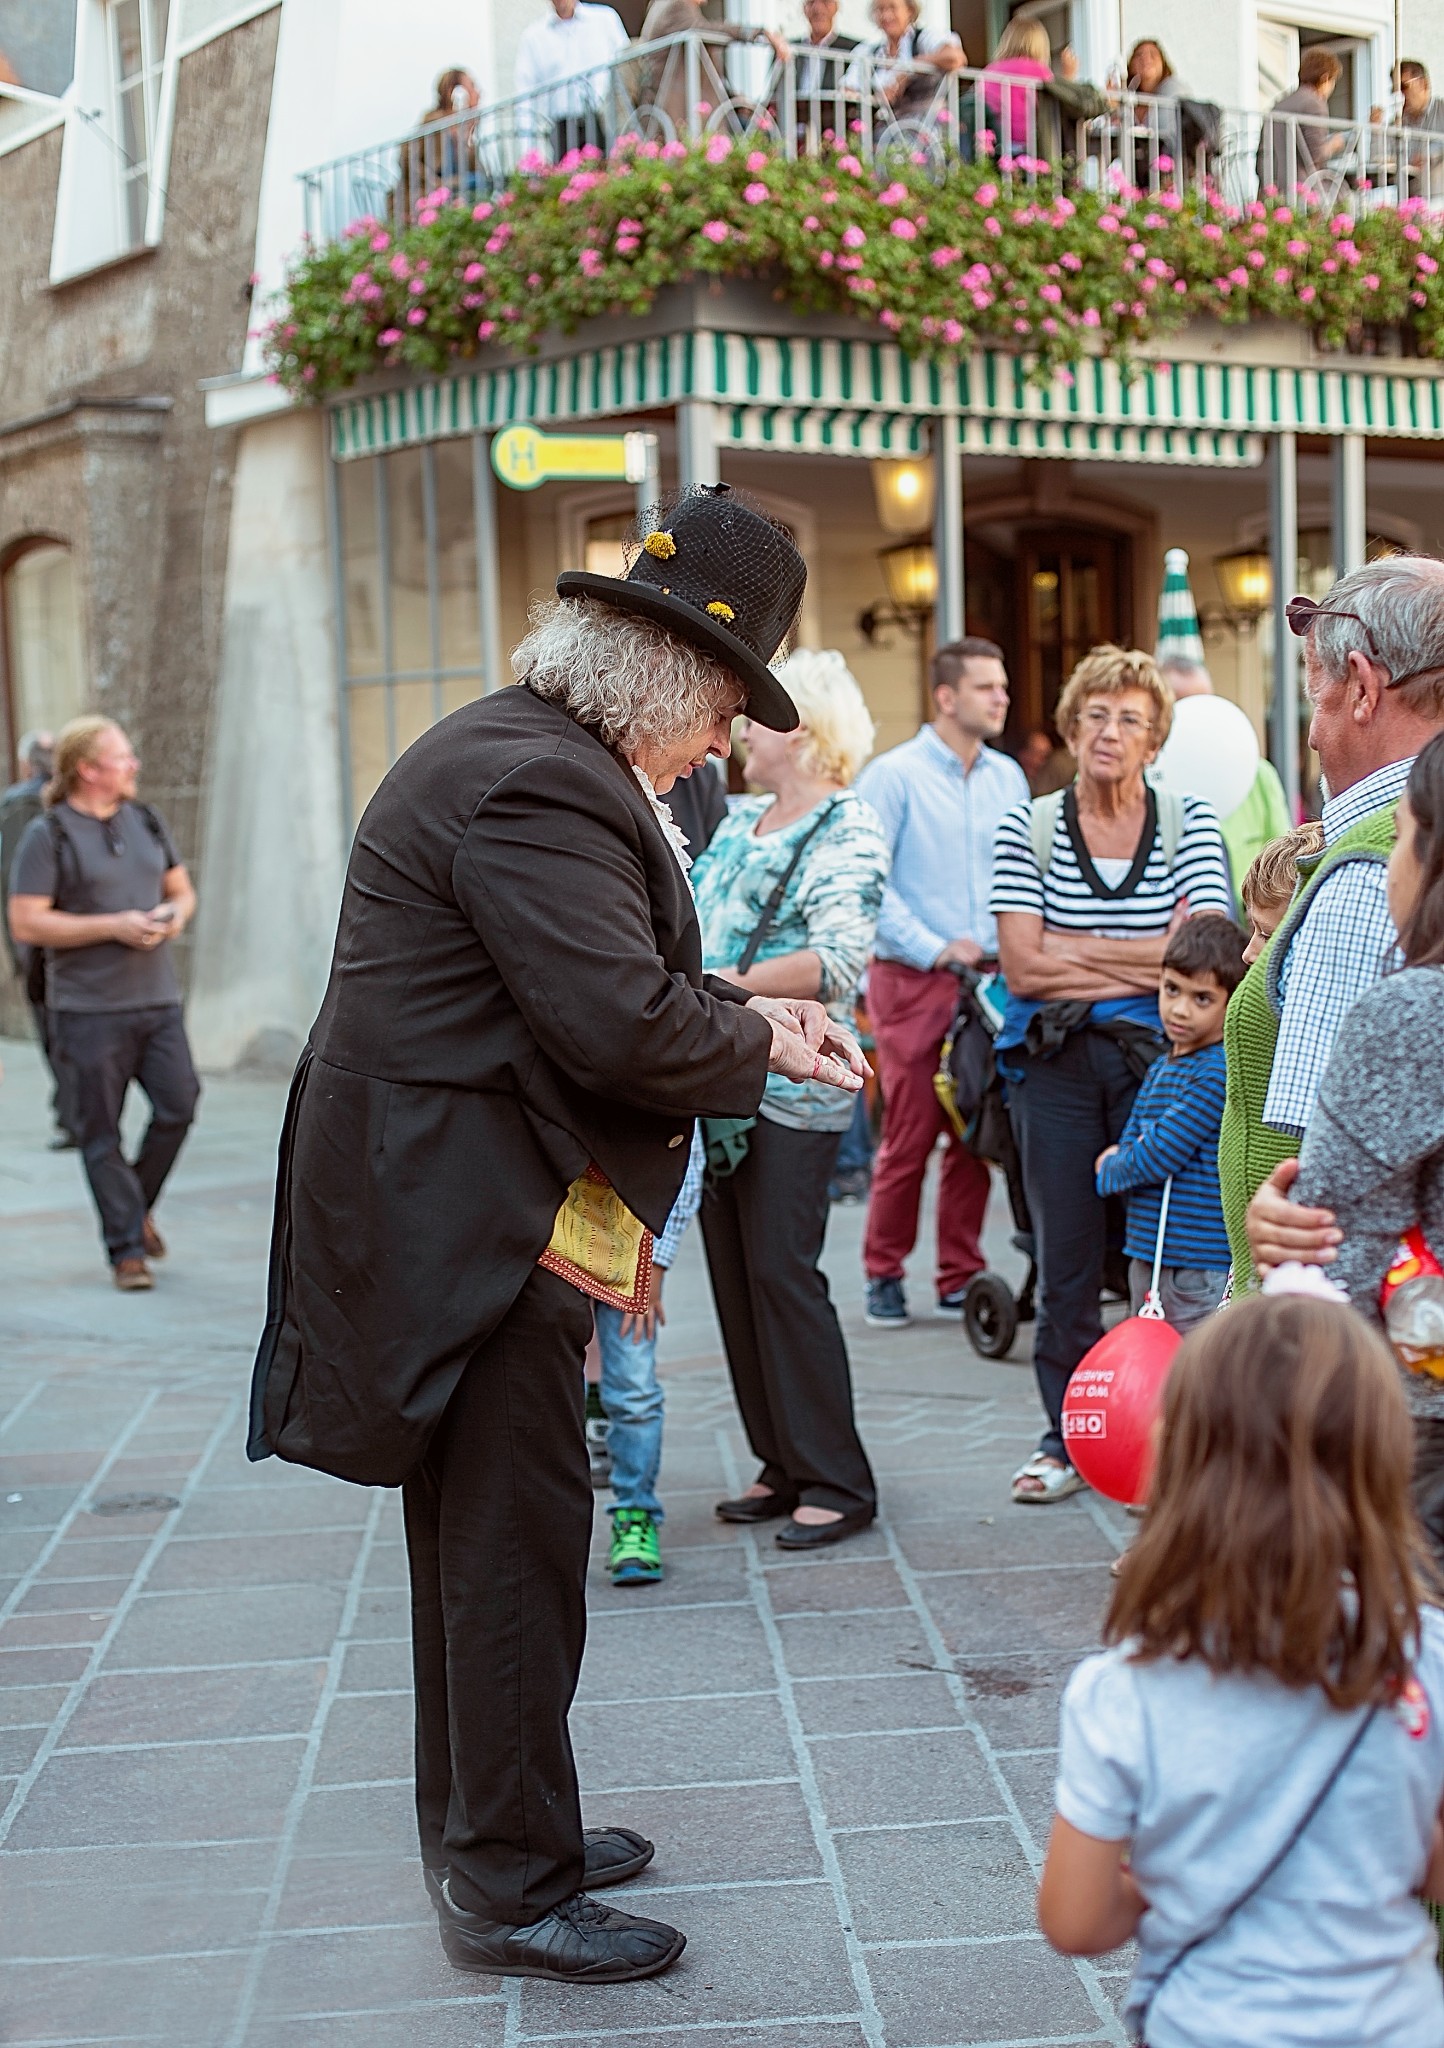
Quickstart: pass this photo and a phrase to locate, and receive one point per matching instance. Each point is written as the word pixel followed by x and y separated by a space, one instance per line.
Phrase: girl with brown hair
pixel 1251 1774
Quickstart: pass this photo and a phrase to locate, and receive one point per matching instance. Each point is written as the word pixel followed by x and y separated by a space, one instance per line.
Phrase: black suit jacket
pixel 516 990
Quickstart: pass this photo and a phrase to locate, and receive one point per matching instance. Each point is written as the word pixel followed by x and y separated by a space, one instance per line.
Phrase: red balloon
pixel 1113 1401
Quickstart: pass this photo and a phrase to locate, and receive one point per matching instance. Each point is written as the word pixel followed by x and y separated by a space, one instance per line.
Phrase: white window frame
pixel 92 226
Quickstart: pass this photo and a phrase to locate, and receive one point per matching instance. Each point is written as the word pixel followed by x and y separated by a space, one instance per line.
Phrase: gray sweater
pixel 1374 1148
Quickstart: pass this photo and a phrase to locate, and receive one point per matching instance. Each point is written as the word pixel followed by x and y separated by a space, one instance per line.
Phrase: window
pixel 410 626
pixel 137 34
pixel 44 660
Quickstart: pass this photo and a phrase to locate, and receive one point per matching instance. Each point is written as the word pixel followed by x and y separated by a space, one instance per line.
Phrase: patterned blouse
pixel 830 908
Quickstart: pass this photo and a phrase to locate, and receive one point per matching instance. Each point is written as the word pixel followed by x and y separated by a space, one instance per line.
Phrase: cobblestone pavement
pixel 205 1710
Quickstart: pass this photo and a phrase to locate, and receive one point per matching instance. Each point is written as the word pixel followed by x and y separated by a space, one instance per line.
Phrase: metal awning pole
pixel 488 580
pixel 1284 555
pixel 948 528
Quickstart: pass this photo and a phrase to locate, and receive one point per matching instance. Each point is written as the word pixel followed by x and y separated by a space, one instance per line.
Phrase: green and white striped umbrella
pixel 1178 634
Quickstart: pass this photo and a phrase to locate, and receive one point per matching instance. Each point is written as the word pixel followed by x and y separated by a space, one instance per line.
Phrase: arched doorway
pixel 44 670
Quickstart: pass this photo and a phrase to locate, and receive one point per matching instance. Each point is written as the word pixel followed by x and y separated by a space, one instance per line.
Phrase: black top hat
pixel 723 576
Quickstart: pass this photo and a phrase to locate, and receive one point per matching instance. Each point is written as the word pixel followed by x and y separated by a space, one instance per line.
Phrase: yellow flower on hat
pixel 661 545
pixel 721 611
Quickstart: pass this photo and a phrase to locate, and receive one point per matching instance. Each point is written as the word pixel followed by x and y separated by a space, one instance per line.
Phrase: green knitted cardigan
pixel 1248 1148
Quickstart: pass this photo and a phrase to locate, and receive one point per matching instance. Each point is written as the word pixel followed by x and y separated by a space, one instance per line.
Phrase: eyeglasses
pixel 1303 613
pixel 1097 719
pixel 112 837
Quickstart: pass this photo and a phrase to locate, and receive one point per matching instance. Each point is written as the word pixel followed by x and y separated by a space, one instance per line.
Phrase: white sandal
pixel 1055 1482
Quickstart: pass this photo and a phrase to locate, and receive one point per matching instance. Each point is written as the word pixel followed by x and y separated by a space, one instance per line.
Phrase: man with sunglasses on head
pixel 1374 676
pixel 97 884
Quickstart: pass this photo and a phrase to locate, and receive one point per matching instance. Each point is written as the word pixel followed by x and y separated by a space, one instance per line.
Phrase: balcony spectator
pixel 820 67
pixel 940 796
pixel 1297 144
pixel 1088 888
pixel 1158 126
pixel 443 152
pixel 661 81
pixel 563 67
pixel 907 61
pixel 1024 53
pixel 1422 170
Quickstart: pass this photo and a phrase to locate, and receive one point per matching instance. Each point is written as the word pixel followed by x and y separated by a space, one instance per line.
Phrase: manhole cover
pixel 135 1504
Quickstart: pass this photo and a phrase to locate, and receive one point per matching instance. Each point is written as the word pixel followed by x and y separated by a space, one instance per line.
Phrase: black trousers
pixel 61 1107
pixel 1065 1111
pixel 575 131
pixel 498 1524
pixel 763 1226
pixel 101 1053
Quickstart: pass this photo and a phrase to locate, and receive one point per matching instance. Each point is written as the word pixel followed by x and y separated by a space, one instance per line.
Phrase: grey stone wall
pixel 103 440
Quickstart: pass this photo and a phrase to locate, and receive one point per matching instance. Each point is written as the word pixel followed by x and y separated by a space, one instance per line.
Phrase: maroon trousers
pixel 910 1012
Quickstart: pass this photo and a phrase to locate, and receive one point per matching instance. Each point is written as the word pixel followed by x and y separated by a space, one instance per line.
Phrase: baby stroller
pixel 971 1093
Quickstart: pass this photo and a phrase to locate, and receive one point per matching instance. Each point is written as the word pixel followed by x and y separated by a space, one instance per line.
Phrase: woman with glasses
pixel 1089 885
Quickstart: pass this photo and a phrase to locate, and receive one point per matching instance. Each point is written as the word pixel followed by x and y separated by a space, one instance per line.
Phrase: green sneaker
pixel 636 1558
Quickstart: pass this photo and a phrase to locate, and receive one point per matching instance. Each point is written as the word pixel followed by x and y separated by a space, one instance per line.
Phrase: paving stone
pixel 847 1706
pixel 373 1667
pixel 25 1667
pixel 726 1834
pixel 831 2033
pixel 1021 1611
pixel 244 1626
pixel 59 1631
pixel 1004 1991
pixel 90 1557
pixel 358 1890
pixel 686 1742
pixel 1031 1780
pixel 358 1971
pixel 832 1588
pixel 191 1705
pixel 927 1883
pixel 837 1645
pixel 20 1704
pixel 183 2002
pixel 909 1777
pixel 70 1596
pixel 711 1573
pixel 19 1549
pixel 226 1511
pixel 18 1747
pixel 272 1560
pixel 455 2023
pixel 1065 1534
pixel 380 1818
pixel 1016 1699
pixel 774 1950
pixel 711 1649
pixel 85 1918
pixel 366 1739
pixel 213 1791
pixel 383 1616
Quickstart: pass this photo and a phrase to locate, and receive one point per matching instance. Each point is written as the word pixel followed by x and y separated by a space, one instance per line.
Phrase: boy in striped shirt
pixel 1172 1132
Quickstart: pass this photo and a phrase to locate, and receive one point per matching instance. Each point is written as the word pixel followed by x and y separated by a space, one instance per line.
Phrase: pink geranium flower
pixel 716 230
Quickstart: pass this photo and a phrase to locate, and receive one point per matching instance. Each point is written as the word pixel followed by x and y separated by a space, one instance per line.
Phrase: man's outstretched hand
pixel 1280 1230
pixel 808 1046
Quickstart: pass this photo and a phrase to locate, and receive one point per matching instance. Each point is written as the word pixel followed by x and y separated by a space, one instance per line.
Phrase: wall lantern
pixel 904 494
pixel 1246 584
pixel 910 572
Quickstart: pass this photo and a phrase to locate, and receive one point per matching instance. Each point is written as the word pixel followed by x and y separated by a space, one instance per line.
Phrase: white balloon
pixel 1211 752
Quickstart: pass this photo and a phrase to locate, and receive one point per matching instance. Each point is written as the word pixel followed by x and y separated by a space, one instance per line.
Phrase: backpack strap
pixel 1046 810
pixel 1044 813
pixel 774 902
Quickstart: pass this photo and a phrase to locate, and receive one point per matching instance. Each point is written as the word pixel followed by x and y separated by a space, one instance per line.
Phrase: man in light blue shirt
pixel 940 797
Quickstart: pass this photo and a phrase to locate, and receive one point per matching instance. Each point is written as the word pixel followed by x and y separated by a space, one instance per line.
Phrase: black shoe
pixel 578 1942
pixel 613 1855
pixel 813 1535
pixel 759 1507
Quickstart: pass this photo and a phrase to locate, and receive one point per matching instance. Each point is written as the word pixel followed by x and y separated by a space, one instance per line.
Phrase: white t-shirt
pixel 1207 1777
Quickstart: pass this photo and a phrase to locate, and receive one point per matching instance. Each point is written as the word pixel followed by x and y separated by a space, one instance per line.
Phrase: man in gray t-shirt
pixel 98 884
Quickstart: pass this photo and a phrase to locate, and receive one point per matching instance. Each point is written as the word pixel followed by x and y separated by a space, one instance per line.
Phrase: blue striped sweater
pixel 1173 1129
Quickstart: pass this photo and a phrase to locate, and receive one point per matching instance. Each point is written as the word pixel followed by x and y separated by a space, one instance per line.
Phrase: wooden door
pixel 1072 592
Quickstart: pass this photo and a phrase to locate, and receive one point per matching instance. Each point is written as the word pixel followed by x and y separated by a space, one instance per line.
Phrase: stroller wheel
pixel 990 1316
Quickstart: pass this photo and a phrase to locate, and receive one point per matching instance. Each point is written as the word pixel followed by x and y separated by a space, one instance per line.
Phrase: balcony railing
pixel 689 87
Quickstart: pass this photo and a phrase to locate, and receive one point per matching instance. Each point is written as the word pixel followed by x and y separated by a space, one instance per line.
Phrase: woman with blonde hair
pixel 907 59
pixel 788 894
pixel 1024 52
pixel 1088 887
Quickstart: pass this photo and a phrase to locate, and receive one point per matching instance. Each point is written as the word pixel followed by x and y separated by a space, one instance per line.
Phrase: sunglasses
pixel 1303 613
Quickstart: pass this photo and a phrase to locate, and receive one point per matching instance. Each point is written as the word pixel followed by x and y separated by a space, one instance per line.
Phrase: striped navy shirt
pixel 1173 1129
pixel 1101 906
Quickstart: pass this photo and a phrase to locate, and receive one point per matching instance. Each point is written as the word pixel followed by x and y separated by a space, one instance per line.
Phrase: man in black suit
pixel 517 1002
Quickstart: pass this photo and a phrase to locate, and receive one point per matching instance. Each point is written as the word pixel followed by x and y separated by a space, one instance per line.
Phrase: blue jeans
pixel 632 1397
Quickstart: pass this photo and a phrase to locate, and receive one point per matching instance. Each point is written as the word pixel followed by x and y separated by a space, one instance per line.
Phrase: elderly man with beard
pixel 498 1095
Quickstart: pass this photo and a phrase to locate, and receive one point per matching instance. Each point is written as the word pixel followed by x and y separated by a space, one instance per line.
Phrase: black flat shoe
pixel 813 1535
pixel 757 1507
pixel 578 1942
pixel 613 1855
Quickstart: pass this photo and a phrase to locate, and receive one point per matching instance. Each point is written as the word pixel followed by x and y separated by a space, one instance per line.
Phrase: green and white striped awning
pixel 866 397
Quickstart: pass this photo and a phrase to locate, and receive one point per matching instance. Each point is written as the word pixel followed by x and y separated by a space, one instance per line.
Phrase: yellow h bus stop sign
pixel 525 459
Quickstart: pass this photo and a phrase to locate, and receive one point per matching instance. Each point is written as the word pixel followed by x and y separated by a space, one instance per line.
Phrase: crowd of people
pixel 565 952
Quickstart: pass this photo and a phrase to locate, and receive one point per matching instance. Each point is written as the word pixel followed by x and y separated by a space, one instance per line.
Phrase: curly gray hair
pixel 629 680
